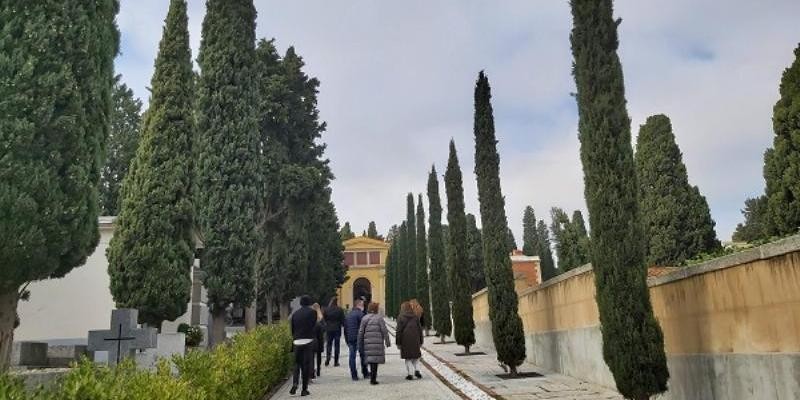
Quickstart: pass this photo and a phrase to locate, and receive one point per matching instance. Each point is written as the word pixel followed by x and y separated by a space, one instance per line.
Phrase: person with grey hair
pixel 351 324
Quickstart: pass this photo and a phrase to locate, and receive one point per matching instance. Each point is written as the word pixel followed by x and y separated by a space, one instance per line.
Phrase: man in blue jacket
pixel 351 324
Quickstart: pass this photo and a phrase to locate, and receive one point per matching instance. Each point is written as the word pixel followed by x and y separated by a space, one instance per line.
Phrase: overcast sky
pixel 397 81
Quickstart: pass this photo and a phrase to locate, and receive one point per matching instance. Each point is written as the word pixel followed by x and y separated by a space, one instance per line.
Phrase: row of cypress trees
pixel 257 198
pixel 452 258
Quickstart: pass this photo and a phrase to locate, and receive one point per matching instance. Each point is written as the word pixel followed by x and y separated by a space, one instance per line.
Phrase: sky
pixel 397 81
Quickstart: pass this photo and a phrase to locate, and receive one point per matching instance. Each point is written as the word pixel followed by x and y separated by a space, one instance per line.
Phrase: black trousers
pixel 303 359
pixel 319 363
pixel 373 372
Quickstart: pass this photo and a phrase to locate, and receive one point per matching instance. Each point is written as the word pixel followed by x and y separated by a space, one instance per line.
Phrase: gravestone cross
pixel 124 338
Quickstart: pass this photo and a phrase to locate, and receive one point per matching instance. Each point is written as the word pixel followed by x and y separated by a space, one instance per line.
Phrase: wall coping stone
pixel 778 248
pixel 763 252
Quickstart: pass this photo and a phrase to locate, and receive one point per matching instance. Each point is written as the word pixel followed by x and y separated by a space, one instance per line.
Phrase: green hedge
pixel 246 368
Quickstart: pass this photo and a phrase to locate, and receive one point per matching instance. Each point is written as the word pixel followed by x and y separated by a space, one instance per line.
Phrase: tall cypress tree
pixel 581 235
pixel 228 156
pixel 782 161
pixel 410 290
pixel 546 262
pixel 150 256
pixel 372 231
pixel 56 65
pixel 440 287
pixel 475 254
pixel 633 345
pixel 423 281
pixel 530 236
pixel 677 221
pixel 511 241
pixel 123 139
pixel 509 339
pixel 402 267
pixel 297 177
pixel 565 242
pixel 389 306
pixel 346 232
pixel 457 253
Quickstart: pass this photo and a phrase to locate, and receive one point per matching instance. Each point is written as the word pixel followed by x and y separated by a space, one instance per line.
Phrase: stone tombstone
pixel 62 356
pixel 169 345
pixel 29 354
pixel 124 338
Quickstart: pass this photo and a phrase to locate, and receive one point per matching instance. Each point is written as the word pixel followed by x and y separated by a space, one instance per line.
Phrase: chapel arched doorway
pixel 362 289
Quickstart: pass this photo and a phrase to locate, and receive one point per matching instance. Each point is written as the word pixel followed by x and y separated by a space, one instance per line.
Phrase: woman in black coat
pixel 409 339
pixel 319 340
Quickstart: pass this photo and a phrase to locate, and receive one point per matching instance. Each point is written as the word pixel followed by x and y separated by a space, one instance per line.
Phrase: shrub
pixel 194 335
pixel 245 368
pixel 12 389
pixel 91 382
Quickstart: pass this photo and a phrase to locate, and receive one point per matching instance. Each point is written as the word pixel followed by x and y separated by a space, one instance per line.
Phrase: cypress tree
pixel 530 236
pixel 782 161
pixel 511 242
pixel 546 262
pixel 389 306
pixel 325 267
pixel 633 345
pixel 423 288
pixel 56 65
pixel 457 249
pixel 123 139
pixel 565 242
pixel 754 226
pixel 346 232
pixel 372 231
pixel 151 253
pixel 677 221
pixel 509 339
pixel 440 287
pixel 402 267
pixel 475 255
pixel 581 236
pixel 228 156
pixel 410 290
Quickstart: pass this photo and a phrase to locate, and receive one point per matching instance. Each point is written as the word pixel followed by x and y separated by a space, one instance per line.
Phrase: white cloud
pixel 397 81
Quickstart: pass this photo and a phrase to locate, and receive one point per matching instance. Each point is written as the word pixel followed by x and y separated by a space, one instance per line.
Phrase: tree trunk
pixel 441 339
pixel 270 304
pixel 250 317
pixel 512 371
pixel 8 318
pixel 217 335
pixel 466 349
pixel 284 310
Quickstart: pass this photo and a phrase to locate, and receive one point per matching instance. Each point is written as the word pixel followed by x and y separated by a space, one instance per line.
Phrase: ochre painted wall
pixel 749 307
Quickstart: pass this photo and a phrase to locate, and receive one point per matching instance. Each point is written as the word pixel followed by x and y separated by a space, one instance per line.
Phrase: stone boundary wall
pixel 731 325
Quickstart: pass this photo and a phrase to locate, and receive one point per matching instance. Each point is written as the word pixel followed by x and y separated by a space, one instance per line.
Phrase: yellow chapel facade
pixel 365 260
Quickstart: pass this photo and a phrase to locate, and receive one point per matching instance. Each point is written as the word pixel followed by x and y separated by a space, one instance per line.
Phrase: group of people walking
pixel 315 331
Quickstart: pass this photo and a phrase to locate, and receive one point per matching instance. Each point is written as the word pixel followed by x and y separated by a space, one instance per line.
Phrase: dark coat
pixel 334 319
pixel 319 337
pixel 409 336
pixel 351 325
pixel 303 322
pixel 373 337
